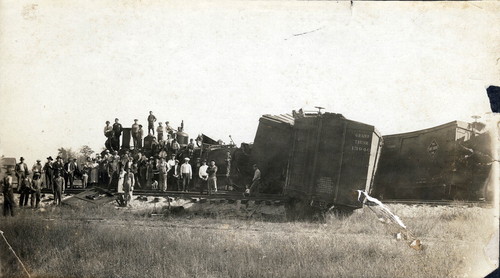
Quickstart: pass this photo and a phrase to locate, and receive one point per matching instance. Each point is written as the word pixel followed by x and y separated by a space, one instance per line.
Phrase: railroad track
pixel 219 197
pixel 229 196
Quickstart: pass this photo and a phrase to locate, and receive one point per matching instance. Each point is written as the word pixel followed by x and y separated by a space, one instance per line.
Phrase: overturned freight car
pixel 447 162
pixel 330 158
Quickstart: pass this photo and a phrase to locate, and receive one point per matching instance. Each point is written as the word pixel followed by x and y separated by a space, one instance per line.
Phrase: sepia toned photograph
pixel 249 138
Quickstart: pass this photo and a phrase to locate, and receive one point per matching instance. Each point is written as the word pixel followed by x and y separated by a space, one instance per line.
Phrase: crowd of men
pixel 161 171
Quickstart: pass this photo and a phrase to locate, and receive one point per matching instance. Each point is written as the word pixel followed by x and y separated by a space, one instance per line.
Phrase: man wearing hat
pixel 117 130
pixel 21 171
pixel 186 174
pixel 48 168
pixel 36 189
pixel 212 177
pixel 108 132
pixel 57 188
pixel 159 130
pixel 69 170
pixel 24 191
pixel 171 172
pixel 151 122
pixel 169 129
pixel 8 195
pixel 202 173
pixel 140 134
pixel 59 167
pixel 135 133
pixel 37 167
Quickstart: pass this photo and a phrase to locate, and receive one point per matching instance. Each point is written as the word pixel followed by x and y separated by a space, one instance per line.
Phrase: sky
pixel 68 66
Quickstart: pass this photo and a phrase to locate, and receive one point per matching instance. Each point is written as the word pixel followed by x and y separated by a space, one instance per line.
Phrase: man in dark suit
pixel 69 170
pixel 117 130
pixel 8 195
pixel 58 167
pixel 48 168
pixel 21 171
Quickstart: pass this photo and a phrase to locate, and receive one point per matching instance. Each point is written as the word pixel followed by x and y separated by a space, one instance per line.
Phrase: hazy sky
pixel 66 68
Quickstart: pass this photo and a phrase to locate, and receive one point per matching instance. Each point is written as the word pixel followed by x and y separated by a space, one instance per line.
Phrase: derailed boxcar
pixel 450 161
pixel 270 150
pixel 330 158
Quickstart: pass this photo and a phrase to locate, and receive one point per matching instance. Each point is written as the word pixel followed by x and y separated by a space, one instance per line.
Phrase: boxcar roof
pixel 454 124
pixel 282 118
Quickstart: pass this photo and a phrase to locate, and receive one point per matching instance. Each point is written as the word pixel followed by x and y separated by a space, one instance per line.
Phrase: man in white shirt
pixel 202 173
pixel 162 178
pixel 37 167
pixel 186 173
pixel 171 172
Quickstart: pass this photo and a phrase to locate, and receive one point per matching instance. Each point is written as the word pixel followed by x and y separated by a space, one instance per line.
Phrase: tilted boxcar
pixel 449 161
pixel 330 158
pixel 270 150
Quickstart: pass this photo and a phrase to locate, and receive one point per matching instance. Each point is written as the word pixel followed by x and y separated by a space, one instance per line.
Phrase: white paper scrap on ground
pixel 383 208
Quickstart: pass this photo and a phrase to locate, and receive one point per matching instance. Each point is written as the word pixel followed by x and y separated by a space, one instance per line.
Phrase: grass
pixel 104 242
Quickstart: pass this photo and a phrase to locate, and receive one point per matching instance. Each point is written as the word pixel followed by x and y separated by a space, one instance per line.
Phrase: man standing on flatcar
pixel 140 134
pixel 190 148
pixel 151 122
pixel 135 134
pixel 169 129
pixel 159 130
pixel 117 130
pixel 108 132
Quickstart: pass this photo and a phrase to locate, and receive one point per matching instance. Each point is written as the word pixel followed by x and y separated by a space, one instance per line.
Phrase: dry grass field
pixel 107 242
